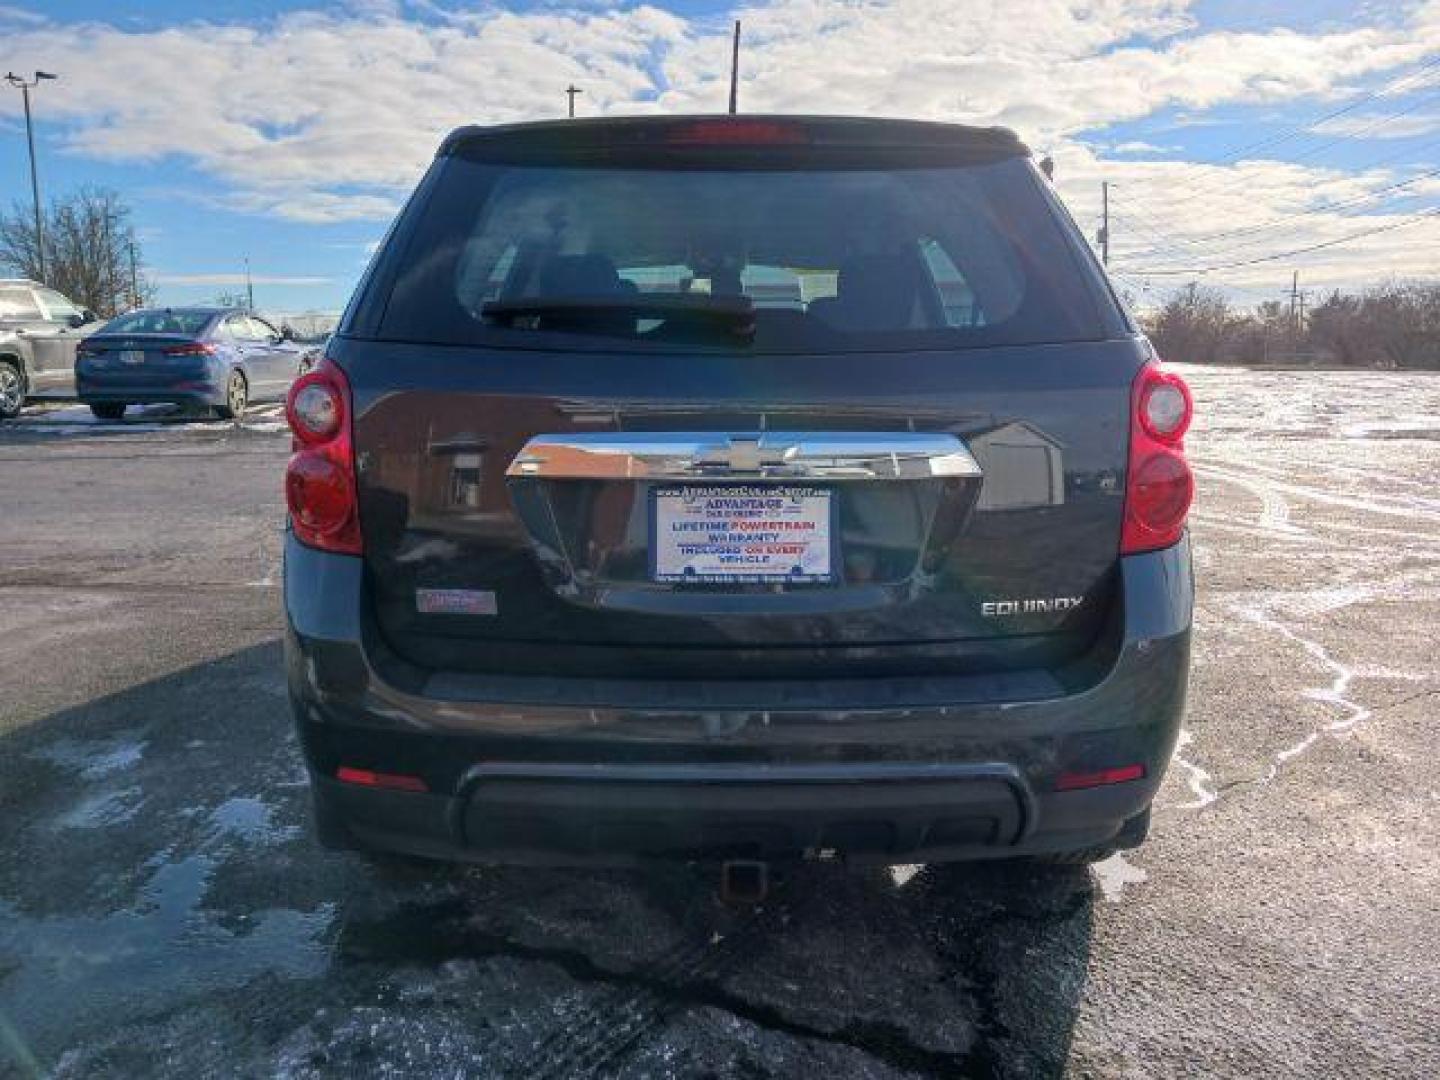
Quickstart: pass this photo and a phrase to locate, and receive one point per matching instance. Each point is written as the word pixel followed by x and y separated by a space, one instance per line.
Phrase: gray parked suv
pixel 39 330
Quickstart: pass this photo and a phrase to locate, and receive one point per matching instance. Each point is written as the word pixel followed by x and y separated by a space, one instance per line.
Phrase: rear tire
pixel 237 397
pixel 12 390
pixel 108 410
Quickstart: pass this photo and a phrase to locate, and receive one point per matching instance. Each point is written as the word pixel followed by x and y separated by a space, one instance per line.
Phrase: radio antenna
pixel 735 68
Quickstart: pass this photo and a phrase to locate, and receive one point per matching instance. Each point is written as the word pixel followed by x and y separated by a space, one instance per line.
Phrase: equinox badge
pixel 992 608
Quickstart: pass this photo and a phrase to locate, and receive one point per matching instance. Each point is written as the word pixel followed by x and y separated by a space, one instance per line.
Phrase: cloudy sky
pixel 1235 133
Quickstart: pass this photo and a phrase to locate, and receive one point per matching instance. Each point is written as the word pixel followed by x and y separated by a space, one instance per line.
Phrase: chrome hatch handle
pixel 750 455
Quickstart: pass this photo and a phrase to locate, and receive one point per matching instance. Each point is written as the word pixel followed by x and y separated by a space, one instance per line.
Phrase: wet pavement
pixel 163 911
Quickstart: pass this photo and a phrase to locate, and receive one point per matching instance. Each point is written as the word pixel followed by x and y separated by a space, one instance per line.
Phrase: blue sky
pixel 287 132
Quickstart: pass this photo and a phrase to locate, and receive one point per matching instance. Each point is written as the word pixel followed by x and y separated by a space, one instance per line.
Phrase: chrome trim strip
pixel 748 455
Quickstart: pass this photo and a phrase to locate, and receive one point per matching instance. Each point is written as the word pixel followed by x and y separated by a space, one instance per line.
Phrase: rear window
pixel 18 304
pixel 796 260
pixel 159 322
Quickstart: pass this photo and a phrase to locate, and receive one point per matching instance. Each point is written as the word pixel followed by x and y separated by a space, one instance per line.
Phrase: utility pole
pixel 735 70
pixel 249 288
pixel 570 92
pixel 1104 236
pixel 134 278
pixel 1294 299
pixel 25 87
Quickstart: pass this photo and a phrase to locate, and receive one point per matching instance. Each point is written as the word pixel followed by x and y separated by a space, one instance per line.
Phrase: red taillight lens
pixel 729 132
pixel 194 348
pixel 369 778
pixel 319 493
pixel 1160 492
pixel 1078 781
pixel 320 480
pixel 1159 484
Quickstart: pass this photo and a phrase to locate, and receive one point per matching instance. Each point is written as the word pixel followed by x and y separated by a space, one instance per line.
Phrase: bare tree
pixel 1394 325
pixel 91 251
pixel 1194 325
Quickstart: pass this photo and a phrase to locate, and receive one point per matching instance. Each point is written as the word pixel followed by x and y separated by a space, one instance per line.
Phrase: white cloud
pixel 11 14
pixel 1139 146
pixel 332 116
pixel 1380 125
pixel 1175 215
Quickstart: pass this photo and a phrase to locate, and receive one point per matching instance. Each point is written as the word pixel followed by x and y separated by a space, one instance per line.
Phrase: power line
pixel 1161 243
pixel 1191 192
pixel 1149 225
pixel 1430 213
pixel 1296 130
pixel 1197 188
pixel 1208 239
pixel 1374 125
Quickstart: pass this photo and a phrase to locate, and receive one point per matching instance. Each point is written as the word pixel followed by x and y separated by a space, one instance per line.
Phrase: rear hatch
pixel 753 398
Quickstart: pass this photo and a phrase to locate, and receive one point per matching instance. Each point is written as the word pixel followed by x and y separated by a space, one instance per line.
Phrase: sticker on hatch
pixel 741 535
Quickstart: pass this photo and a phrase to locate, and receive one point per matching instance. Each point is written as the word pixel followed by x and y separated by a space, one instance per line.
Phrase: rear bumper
pixel 952 768
pixel 117 389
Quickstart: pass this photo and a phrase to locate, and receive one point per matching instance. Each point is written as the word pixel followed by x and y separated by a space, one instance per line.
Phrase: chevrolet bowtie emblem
pixel 742 454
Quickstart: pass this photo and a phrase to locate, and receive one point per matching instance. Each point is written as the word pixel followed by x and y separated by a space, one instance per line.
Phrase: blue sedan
pixel 221 358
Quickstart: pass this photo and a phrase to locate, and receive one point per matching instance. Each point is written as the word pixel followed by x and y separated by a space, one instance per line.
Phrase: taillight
pixel 320 479
pixel 719 131
pixel 192 348
pixel 1159 484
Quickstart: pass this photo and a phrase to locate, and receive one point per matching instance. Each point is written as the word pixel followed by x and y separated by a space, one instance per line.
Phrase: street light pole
pixel 25 88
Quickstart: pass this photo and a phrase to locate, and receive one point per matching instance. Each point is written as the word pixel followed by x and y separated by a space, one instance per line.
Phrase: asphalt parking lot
pixel 163 911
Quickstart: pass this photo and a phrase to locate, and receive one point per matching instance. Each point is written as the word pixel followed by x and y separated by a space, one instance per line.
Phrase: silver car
pixel 39 330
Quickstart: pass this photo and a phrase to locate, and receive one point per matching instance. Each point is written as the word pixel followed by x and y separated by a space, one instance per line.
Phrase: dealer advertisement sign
pixel 741 535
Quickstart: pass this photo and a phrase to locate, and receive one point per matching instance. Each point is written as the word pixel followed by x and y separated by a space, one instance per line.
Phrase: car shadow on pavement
pixel 164 911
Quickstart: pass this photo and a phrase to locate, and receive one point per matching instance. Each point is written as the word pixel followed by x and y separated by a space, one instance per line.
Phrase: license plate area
pixel 721 534
pixel 131 356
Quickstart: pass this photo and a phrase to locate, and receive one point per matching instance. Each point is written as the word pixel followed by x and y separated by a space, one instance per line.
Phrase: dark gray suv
pixel 737 487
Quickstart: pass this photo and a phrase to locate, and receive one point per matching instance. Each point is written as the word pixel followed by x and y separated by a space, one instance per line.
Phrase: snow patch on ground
pixel 1200 782
pixel 1115 874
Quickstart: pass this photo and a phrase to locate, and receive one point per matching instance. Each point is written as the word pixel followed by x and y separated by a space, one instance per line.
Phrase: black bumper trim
pixel 823 792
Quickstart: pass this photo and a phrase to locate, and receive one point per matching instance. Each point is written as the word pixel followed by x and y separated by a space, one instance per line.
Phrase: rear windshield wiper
pixel 732 314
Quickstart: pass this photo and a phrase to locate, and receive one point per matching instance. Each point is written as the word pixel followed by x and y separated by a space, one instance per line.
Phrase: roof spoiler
pixel 767 139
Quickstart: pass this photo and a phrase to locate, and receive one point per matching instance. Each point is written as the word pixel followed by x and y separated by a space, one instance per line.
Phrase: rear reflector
pixel 1075 781
pixel 389 781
